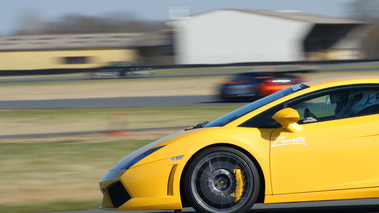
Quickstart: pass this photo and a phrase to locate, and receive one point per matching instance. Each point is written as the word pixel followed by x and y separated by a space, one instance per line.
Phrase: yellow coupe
pixel 313 141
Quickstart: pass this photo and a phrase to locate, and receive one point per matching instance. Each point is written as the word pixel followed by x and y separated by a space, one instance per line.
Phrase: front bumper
pixel 147 187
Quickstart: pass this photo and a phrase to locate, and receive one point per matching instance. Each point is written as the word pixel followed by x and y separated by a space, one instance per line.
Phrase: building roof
pixel 297 16
pixel 79 41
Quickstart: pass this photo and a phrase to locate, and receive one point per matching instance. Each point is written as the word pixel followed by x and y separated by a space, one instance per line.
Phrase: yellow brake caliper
pixel 239 183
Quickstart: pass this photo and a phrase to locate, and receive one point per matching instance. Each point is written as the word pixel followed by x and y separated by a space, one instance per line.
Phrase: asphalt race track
pixel 114 102
pixel 348 67
pixel 347 206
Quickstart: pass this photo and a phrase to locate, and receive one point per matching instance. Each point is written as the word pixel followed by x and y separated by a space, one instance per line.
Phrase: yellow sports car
pixel 313 141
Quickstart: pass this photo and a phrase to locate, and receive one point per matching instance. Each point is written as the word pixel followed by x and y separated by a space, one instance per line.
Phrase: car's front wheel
pixel 221 179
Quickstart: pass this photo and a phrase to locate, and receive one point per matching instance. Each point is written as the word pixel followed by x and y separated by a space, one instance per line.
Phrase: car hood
pixel 143 149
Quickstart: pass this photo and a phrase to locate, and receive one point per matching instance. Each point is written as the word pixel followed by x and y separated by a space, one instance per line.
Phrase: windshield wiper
pixel 197 126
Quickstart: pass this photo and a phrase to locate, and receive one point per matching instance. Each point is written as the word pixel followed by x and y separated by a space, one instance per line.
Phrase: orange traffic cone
pixel 118 123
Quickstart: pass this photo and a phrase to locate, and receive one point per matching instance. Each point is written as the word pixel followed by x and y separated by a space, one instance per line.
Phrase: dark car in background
pixel 121 70
pixel 252 85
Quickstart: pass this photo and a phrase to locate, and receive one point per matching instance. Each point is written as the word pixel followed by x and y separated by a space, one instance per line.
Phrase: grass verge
pixel 62 173
pixel 93 119
pixel 59 173
pixel 51 207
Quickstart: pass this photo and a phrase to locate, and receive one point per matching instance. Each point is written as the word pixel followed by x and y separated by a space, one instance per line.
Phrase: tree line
pixel 32 23
pixel 367 11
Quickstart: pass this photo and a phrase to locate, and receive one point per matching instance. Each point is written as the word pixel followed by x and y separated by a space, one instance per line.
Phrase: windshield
pixel 254 105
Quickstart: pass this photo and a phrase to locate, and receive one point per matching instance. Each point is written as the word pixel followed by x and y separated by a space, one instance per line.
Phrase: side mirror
pixel 288 118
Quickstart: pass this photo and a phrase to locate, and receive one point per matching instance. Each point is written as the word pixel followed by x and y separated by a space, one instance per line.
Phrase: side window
pixel 331 104
pixel 366 103
pixel 315 109
pixel 337 104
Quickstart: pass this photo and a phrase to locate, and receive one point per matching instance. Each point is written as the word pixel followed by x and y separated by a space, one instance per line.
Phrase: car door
pixel 335 148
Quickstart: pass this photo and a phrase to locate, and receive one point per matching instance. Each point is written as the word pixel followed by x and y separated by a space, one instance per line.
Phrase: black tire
pixel 221 179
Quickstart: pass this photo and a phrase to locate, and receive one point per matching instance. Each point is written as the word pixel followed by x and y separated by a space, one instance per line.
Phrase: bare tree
pixel 74 23
pixel 31 22
pixel 368 11
pixel 365 10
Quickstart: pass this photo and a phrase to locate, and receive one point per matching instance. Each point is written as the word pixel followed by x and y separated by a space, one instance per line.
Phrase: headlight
pixel 176 158
pixel 140 157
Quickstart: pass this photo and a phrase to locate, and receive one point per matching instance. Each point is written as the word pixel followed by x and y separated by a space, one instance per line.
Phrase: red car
pixel 252 85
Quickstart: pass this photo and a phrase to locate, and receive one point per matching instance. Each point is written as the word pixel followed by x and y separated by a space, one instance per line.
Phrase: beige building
pixel 82 50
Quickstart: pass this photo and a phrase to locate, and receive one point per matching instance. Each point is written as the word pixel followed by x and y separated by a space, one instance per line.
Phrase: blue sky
pixel 12 11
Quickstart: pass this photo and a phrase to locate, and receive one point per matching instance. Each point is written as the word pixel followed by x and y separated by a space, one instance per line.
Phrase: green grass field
pixel 62 173
pixel 93 119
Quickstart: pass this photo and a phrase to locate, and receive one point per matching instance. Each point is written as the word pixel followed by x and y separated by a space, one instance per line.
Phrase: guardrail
pixel 174 66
